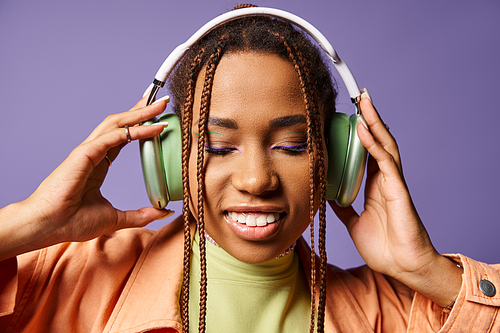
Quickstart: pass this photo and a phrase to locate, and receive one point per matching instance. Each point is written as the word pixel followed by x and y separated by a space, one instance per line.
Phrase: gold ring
pixel 108 159
pixel 127 131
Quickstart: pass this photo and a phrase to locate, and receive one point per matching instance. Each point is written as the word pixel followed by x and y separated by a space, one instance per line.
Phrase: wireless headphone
pixel 161 156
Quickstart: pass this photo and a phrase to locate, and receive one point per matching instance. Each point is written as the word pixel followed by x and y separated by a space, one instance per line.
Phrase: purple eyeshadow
pixel 220 148
pixel 299 147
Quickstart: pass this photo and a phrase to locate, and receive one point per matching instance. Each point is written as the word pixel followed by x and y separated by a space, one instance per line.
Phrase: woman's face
pixel 256 160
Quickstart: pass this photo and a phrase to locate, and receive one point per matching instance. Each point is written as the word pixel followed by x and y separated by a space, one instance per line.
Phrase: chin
pixel 256 253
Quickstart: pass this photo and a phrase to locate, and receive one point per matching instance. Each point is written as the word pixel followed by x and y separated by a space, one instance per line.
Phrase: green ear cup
pixel 171 144
pixel 337 152
pixel 162 162
pixel 346 160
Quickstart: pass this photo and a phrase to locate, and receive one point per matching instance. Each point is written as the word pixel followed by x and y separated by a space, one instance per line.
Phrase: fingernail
pixel 168 213
pixel 164 124
pixel 164 98
pixel 362 121
pixel 365 94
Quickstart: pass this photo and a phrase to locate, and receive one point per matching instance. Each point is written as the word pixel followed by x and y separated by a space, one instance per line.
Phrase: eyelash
pixel 219 150
pixel 292 149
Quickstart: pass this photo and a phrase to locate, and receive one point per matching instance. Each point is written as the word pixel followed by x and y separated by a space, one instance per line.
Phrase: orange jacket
pixel 130 282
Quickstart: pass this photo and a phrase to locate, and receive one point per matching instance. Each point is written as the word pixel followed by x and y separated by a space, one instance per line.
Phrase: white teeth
pixel 261 220
pixel 253 220
pixel 234 216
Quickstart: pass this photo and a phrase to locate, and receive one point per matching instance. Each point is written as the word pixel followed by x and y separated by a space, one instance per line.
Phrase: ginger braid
pixel 314 144
pixel 212 63
pixel 253 34
pixel 322 194
pixel 186 148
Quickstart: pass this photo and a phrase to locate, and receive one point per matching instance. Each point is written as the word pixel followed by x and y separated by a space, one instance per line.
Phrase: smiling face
pixel 256 160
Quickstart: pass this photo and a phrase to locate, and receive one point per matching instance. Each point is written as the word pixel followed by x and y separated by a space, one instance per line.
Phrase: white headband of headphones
pixel 177 54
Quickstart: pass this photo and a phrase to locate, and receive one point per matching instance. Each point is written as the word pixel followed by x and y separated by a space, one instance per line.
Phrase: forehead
pixel 253 84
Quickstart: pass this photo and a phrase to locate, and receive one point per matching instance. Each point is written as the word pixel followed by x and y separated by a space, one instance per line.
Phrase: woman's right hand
pixel 68 204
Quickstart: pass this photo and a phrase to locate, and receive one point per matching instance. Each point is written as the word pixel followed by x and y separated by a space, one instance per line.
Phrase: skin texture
pixel 258 175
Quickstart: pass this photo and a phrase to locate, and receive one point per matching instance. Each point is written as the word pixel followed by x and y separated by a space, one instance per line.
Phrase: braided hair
pixel 264 35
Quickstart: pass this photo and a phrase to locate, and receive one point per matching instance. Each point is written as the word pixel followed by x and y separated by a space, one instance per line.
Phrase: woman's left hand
pixel 389 234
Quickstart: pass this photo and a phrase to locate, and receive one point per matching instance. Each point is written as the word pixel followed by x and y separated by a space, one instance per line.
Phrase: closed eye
pixel 292 149
pixel 217 150
pixel 220 150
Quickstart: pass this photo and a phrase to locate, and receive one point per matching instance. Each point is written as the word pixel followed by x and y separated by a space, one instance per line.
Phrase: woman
pixel 256 97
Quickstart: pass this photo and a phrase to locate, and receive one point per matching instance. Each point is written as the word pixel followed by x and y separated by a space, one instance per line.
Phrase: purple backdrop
pixel 430 66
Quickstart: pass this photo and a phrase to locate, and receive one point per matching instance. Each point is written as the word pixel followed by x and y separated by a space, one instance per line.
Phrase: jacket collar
pixel 342 313
pixel 150 300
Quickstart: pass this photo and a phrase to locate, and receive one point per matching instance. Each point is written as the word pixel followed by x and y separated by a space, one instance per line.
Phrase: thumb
pixel 141 217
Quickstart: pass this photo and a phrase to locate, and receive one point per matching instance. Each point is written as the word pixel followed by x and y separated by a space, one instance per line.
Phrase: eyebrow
pixel 275 123
pixel 222 122
pixel 288 121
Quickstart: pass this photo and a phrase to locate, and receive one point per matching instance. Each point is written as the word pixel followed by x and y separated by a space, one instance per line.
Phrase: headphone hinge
pixel 157 84
pixel 356 102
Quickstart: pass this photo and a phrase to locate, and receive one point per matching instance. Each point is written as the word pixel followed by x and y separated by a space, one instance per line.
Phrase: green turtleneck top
pixel 269 297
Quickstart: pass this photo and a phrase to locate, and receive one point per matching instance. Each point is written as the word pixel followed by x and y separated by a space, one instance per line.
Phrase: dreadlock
pixel 264 35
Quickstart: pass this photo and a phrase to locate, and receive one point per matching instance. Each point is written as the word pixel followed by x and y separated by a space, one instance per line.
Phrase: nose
pixel 255 175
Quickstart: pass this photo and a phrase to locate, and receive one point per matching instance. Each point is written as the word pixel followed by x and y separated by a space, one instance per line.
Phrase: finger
pixel 113 153
pixel 141 217
pixel 97 149
pixel 347 215
pixel 386 162
pixel 377 126
pixel 140 115
pixel 129 118
pixel 142 102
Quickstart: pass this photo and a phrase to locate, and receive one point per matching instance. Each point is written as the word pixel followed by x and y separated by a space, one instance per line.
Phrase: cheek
pixel 297 186
pixel 217 181
pixel 295 176
pixel 215 178
pixel 295 181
